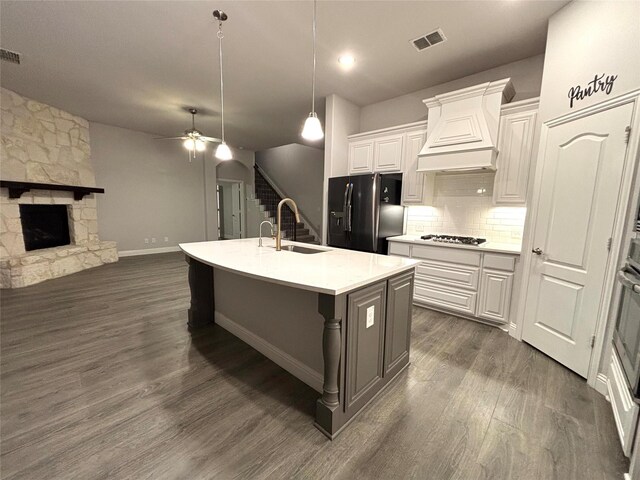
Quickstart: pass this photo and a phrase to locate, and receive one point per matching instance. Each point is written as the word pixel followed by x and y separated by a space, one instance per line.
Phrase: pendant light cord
pixel 221 36
pixel 313 80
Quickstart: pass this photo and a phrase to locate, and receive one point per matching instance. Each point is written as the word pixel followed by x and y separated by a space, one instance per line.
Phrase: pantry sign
pixel 599 84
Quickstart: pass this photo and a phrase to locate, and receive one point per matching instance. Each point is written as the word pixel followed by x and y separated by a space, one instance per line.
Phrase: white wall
pixel 152 190
pixel 586 38
pixel 526 76
pixel 297 170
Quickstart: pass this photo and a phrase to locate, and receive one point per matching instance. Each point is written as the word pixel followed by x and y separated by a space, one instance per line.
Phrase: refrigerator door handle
pixel 344 208
pixel 349 208
pixel 375 213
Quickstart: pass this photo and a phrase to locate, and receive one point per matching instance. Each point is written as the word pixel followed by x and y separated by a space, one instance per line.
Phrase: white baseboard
pixel 601 384
pixel 283 359
pixel 148 251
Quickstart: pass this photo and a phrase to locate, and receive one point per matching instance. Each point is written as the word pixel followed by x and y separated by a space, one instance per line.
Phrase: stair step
pixel 305 239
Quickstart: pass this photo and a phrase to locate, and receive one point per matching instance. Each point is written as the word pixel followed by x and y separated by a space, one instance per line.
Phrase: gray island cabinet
pixel 338 320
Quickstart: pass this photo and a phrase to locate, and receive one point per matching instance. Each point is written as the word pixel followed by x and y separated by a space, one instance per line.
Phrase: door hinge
pixel 627 134
pixel 592 341
pixel 609 243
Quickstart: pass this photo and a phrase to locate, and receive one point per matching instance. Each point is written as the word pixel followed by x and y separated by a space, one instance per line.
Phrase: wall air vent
pixel 9 56
pixel 429 40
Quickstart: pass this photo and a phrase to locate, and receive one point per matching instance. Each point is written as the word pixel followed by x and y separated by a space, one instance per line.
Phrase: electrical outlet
pixel 419 228
pixel 371 315
pixel 166 239
pixel 153 239
pixel 146 240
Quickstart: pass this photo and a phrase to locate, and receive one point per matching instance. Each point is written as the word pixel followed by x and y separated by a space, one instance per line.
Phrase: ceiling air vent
pixel 9 56
pixel 429 40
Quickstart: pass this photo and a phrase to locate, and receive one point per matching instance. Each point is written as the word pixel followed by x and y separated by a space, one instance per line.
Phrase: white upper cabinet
pixel 417 187
pixel 361 156
pixel 394 150
pixel 516 148
pixel 387 156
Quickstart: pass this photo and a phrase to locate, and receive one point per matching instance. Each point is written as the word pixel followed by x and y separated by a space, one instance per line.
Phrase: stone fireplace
pixel 46 233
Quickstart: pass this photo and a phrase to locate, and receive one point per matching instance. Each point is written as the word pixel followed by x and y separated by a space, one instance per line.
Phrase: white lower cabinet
pixel 625 410
pixel 459 300
pixel 473 283
pixel 495 298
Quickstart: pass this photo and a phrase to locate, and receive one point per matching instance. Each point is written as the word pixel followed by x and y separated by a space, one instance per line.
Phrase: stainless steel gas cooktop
pixel 454 239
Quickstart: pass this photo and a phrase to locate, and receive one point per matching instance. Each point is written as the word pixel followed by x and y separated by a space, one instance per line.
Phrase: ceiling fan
pixel 193 139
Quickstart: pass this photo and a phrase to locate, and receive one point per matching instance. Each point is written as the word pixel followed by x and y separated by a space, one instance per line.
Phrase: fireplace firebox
pixel 44 226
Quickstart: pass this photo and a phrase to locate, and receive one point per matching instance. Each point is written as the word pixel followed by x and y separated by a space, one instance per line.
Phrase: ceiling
pixel 138 64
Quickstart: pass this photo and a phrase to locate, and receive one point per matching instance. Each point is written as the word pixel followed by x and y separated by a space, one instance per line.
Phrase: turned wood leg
pixel 331 344
pixel 201 312
pixel 329 409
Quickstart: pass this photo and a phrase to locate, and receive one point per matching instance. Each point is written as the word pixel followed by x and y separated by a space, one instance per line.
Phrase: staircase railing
pixel 281 194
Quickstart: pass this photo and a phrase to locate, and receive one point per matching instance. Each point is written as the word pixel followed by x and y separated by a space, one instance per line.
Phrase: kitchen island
pixel 338 320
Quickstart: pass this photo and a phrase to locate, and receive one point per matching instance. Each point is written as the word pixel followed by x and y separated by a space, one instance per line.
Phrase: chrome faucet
pixel 279 220
pixel 260 231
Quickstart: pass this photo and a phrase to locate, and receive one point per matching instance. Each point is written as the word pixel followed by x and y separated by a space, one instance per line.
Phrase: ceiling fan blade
pixel 211 139
pixel 170 138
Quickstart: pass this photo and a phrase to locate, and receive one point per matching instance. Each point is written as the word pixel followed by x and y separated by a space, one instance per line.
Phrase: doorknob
pixel 537 251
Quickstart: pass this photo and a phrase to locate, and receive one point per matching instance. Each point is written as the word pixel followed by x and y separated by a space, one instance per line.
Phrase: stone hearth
pixel 43 144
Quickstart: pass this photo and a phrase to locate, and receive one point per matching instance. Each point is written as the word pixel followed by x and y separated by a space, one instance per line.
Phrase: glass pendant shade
pixel 223 152
pixel 312 129
pixel 189 144
pixel 194 144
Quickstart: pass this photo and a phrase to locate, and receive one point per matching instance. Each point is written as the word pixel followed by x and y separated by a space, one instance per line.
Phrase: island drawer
pixel 458 300
pixel 400 249
pixel 449 274
pixel 447 254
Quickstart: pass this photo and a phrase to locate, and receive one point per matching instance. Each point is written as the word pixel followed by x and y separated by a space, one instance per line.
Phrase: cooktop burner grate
pixel 456 239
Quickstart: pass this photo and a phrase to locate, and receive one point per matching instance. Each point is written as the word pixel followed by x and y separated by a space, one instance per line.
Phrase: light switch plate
pixel 371 314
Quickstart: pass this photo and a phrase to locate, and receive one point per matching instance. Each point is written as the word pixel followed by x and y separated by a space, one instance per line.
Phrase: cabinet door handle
pixel 537 251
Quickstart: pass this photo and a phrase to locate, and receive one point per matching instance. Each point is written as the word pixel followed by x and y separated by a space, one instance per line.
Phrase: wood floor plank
pixel 101 379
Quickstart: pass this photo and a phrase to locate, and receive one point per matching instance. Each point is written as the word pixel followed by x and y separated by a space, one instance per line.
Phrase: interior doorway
pixel 230 200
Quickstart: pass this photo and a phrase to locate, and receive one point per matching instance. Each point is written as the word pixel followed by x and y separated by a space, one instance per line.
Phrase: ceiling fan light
pixel 312 129
pixel 201 146
pixel 189 144
pixel 223 152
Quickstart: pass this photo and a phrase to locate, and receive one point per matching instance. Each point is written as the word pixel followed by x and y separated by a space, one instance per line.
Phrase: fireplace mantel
pixel 16 189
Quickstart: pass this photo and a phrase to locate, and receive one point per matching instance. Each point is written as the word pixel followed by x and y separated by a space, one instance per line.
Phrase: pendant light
pixel 312 129
pixel 223 152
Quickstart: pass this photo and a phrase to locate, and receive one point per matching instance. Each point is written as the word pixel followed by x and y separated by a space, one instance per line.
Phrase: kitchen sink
pixel 297 249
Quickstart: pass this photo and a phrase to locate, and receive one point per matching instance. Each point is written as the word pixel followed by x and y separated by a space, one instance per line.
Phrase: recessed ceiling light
pixel 346 60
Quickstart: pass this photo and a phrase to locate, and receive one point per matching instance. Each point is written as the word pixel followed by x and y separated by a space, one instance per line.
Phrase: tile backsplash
pixel 463 205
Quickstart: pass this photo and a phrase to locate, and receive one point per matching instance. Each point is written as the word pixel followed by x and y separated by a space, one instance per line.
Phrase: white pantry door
pixel 582 173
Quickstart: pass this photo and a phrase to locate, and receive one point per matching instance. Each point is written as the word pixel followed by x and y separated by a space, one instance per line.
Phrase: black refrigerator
pixel 364 210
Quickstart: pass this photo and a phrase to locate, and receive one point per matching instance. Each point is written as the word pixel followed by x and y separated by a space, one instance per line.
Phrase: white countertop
pixel 334 271
pixel 510 248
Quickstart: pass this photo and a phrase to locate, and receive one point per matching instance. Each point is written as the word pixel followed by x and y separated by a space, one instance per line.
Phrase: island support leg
pixel 329 407
pixel 201 312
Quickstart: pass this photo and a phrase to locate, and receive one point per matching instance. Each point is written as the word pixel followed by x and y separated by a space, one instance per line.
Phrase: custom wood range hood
pixel 462 128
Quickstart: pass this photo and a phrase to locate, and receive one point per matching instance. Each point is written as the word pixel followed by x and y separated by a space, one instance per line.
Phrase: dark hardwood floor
pixel 101 379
